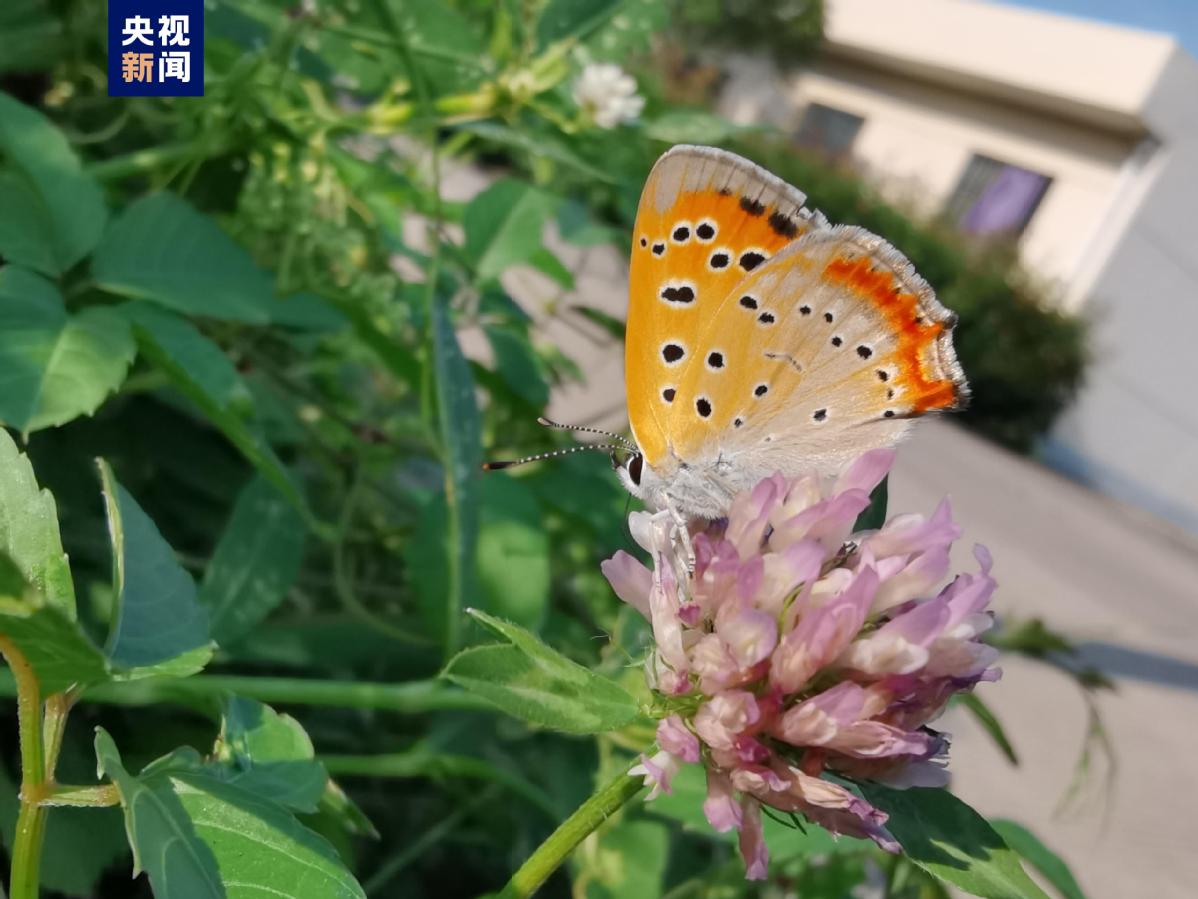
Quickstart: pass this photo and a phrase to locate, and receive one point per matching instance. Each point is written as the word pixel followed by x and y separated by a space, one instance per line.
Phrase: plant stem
pixel 54 726
pixel 145 160
pixel 549 856
pixel 31 820
pixel 410 698
pixel 89 797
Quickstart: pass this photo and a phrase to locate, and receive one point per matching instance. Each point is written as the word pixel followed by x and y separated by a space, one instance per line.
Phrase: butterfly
pixel 762 339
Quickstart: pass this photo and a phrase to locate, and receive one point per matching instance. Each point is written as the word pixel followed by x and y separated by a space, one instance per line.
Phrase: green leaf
pixel 30 37
pixel 162 249
pixel 874 515
pixel 517 364
pixel 447 49
pixel 53 644
pixel 55 366
pixel 511 556
pixel 459 427
pixel 53 212
pixel 566 19
pixel 527 679
pixel 990 724
pixel 199 369
pixel 581 227
pixel 614 327
pixel 157 618
pixel 201 838
pixel 686 126
pixel 336 804
pixel 308 312
pixel 255 562
pixel 541 145
pixel 269 754
pixel 513 552
pixel 952 842
pixel 503 226
pixel 29 530
pixel 1035 853
pixel 547 263
pixel 629 860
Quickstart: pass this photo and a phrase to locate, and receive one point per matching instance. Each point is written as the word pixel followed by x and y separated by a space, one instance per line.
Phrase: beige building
pixel 1080 139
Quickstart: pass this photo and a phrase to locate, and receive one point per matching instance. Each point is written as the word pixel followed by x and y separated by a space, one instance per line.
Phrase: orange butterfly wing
pixel 827 350
pixel 707 218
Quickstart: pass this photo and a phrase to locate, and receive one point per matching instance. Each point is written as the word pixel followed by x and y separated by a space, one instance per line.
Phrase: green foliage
pixel 1050 865
pixel 198 836
pixel 787 31
pixel 29 534
pixel 990 724
pixel 874 515
pixel 526 678
pixel 254 564
pixel 162 250
pixel 53 212
pixel 268 754
pixel 951 841
pixel 503 226
pixel 55 366
pixel 59 653
pixel 157 626
pixel 457 419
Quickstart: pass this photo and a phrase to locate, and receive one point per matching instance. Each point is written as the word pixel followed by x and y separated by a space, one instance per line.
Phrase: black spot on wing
pixel 752 206
pixel 783 225
pixel 683 294
pixel 750 260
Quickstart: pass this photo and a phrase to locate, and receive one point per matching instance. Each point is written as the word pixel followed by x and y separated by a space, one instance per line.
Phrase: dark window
pixel 994 199
pixel 827 130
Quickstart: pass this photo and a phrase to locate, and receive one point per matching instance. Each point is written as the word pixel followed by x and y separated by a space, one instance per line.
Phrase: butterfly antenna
pixel 553 424
pixel 509 463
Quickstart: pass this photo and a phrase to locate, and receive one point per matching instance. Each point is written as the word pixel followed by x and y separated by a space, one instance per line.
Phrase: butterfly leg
pixel 682 537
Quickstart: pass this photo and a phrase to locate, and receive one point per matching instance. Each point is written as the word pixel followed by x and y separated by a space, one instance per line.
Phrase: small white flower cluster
pixel 607 94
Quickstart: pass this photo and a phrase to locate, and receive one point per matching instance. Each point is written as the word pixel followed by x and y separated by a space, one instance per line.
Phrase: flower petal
pixel 721 808
pixel 631 580
pixel 752 841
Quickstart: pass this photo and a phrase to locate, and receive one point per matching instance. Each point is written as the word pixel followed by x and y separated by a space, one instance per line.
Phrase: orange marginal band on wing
pixel 916 335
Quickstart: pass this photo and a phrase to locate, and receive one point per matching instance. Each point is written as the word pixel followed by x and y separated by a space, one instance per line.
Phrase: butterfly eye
pixel 635 468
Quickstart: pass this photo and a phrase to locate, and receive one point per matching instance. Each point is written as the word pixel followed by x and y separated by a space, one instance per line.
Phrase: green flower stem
pixel 142 161
pixel 31 819
pixel 88 797
pixel 549 856
pixel 411 698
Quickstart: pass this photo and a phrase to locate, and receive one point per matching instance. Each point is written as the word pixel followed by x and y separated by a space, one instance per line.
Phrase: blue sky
pixel 1179 17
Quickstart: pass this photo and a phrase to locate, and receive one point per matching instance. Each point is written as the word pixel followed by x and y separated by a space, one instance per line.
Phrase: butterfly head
pixel 632 472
